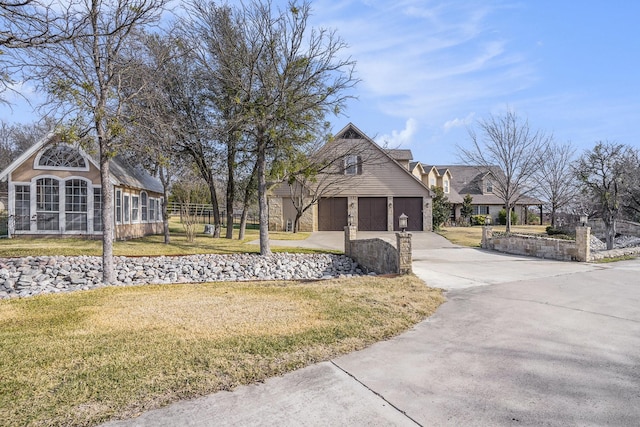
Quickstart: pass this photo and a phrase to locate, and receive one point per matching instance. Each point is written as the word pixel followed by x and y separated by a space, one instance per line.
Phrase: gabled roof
pixel 350 131
pixel 122 173
pixel 400 154
pixel 469 180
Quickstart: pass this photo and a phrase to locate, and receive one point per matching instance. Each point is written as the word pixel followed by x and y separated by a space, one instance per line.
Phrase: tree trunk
pixel 164 179
pixel 509 219
pixel 610 231
pixel 108 267
pixel 231 188
pixel 263 212
pixel 246 202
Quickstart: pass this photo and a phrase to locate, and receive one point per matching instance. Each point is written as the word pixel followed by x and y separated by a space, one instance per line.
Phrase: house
pixel 367 186
pixel 479 183
pixel 54 189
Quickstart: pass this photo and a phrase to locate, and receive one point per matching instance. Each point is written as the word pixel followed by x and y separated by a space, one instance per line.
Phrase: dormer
pixel 488 183
pixel 403 157
pixel 444 180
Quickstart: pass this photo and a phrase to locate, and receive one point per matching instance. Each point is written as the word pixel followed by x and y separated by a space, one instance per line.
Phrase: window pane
pixel 23 207
pixel 143 203
pixel 135 203
pixel 48 197
pixel 118 206
pixel 125 208
pixel 97 209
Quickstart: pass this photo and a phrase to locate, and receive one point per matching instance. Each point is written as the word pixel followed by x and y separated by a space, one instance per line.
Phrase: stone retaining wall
pixel 377 255
pixel 540 247
pixel 626 228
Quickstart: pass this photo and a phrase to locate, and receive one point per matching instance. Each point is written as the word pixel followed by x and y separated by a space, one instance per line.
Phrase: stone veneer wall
pixel 377 255
pixel 540 247
pixel 626 228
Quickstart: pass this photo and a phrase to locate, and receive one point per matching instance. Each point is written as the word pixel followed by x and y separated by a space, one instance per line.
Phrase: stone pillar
pixel 583 244
pixel 487 234
pixel 349 235
pixel 404 253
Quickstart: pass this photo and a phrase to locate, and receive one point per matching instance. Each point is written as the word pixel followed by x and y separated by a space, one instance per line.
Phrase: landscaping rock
pixel 38 275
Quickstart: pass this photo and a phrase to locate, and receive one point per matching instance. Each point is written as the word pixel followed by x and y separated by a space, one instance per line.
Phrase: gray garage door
pixel 410 206
pixel 332 214
pixel 372 214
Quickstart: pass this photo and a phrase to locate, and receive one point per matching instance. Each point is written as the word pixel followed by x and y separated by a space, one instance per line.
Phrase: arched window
pixel 61 156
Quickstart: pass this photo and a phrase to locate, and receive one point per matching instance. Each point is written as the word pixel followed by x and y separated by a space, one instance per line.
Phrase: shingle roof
pixel 133 176
pixel 400 154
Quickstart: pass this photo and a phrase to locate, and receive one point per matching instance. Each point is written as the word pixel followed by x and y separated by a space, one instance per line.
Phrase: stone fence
pixel 626 228
pixel 377 255
pixel 540 247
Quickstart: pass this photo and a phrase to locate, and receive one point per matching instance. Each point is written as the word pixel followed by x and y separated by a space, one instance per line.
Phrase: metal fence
pixel 204 214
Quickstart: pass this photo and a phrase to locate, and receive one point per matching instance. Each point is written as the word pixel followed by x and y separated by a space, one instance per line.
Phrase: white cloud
pixel 458 122
pixel 400 138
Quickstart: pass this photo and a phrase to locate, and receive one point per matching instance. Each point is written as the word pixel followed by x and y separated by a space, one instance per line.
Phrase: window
pixel 143 206
pixel 480 210
pixel 61 157
pixel 48 204
pixel 432 182
pixel 126 208
pixel 118 206
pixel 97 209
pixel 152 209
pixel 446 185
pixel 352 165
pixel 489 186
pixel 75 205
pixel 23 207
pixel 135 208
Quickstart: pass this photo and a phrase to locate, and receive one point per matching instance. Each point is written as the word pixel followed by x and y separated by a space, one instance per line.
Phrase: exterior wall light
pixel 402 222
pixel 584 219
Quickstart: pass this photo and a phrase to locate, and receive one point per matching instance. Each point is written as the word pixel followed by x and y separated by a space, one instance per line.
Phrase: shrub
pixel 479 219
pixel 502 217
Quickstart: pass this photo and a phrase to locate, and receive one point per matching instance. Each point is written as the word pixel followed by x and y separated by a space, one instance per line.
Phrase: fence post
pixel 583 244
pixel 403 241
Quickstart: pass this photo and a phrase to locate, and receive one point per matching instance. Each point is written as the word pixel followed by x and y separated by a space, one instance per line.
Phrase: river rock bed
pixel 619 242
pixel 22 277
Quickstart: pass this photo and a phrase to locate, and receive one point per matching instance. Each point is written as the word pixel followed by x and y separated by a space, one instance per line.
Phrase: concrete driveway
pixel 519 342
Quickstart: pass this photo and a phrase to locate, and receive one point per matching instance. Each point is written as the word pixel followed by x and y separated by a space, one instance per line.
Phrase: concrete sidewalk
pixel 547 343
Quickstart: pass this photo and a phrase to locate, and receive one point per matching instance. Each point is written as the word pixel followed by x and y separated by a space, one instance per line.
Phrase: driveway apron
pixel 519 342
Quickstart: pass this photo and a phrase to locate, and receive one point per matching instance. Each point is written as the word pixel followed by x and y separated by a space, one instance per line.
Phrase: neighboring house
pixel 479 184
pixel 372 187
pixel 55 189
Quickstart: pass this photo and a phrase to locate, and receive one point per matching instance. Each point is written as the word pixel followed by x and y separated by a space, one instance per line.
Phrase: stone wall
pixel 540 247
pixel 377 255
pixel 626 228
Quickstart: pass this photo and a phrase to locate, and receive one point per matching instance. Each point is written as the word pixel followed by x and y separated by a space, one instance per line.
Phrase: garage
pixel 411 207
pixel 332 214
pixel 372 214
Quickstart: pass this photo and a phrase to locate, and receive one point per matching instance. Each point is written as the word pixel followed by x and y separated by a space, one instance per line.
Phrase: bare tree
pixel 294 77
pixel 509 150
pixel 555 177
pixel 82 76
pixel 603 175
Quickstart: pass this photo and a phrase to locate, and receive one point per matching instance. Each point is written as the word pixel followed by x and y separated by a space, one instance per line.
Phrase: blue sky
pixel 432 69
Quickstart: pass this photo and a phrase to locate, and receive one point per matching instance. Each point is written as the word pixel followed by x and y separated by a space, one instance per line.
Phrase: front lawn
pixel 146 246
pixel 86 357
pixel 472 236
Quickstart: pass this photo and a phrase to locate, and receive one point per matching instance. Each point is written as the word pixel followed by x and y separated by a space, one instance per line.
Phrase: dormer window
pixel 489 187
pixel 352 165
pixel 61 156
pixel 446 185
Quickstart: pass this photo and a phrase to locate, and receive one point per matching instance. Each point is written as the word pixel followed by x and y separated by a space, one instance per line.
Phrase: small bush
pixel 479 219
pixel 502 217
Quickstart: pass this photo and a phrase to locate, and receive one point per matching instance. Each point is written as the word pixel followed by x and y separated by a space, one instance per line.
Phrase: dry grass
pixel 147 246
pixel 472 236
pixel 86 357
